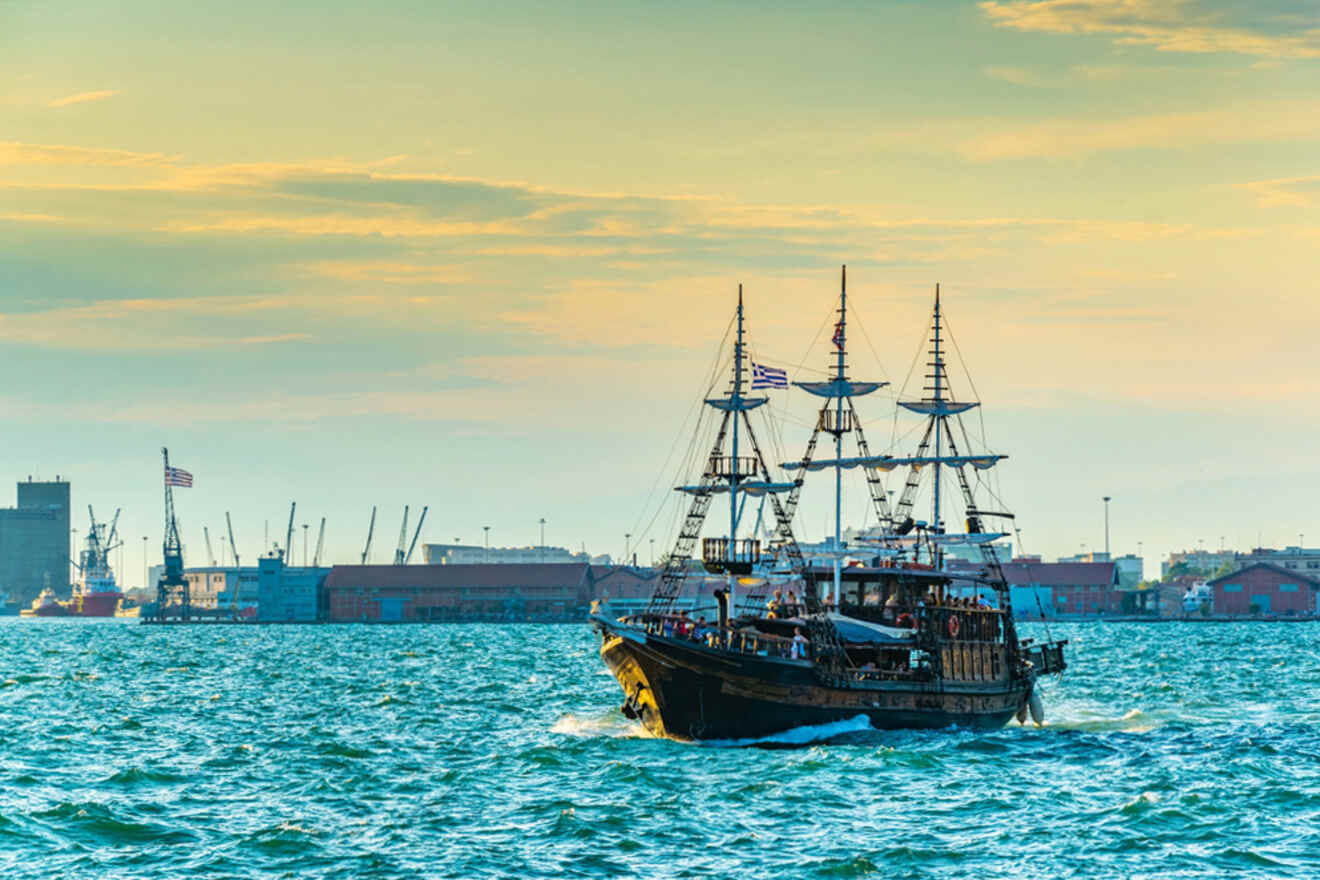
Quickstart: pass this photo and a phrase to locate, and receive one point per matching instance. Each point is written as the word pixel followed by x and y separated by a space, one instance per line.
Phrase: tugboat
pixel 898 638
pixel 95 594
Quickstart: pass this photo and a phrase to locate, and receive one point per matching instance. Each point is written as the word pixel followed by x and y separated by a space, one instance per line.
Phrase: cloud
pixel 16 153
pixel 1020 76
pixel 1297 192
pixel 1267 122
pixel 83 98
pixel 1166 25
pixel 388 272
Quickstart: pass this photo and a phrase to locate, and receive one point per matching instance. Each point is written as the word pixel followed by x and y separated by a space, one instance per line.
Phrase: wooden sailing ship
pixel 898 639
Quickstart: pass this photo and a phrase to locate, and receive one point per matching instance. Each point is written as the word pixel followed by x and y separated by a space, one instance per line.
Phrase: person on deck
pixel 890 613
pixel 775 607
pixel 798 651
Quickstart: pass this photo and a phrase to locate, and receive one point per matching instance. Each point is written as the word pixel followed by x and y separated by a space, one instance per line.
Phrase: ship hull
pixel 87 605
pixel 95 605
pixel 684 691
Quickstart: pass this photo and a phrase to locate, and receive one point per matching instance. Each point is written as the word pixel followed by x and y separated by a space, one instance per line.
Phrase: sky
pixel 481 257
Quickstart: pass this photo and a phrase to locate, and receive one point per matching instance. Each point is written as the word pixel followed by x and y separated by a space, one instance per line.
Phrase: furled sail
pixel 733 404
pixel 980 462
pixel 875 461
pixel 754 488
pixel 839 388
pixel 937 407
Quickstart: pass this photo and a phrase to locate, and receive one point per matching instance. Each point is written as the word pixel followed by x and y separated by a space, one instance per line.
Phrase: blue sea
pixel 472 751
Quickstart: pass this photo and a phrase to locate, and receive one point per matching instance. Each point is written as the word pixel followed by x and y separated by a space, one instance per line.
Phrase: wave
pixel 797 736
pixel 612 725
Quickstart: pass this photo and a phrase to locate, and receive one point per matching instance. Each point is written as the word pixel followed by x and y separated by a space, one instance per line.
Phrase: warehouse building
pixel 1263 589
pixel 456 592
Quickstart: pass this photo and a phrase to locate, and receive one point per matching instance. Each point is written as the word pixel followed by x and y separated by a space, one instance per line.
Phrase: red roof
pixel 1289 573
pixel 1062 574
pixel 538 574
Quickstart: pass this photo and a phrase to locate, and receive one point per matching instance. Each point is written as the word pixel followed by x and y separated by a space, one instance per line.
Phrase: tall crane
pixel 210 554
pixel 421 519
pixel 233 548
pixel 288 537
pixel 320 543
pixel 371 530
pixel 403 538
pixel 172 547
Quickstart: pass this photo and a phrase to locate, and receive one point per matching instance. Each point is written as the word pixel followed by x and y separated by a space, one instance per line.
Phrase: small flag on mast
pixel 178 477
pixel 838 335
pixel 768 377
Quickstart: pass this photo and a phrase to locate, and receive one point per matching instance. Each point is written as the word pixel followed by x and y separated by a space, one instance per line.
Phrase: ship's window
pixel 1287 588
pixel 1232 588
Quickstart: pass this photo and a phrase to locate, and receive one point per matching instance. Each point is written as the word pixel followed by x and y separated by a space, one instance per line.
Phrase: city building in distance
pixel 34 541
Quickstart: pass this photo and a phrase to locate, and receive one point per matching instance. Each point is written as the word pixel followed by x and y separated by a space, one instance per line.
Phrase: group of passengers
pixel 780 607
pixel 680 625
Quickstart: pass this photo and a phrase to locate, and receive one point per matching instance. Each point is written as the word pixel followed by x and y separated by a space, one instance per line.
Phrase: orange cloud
pixel 83 98
pixel 1167 25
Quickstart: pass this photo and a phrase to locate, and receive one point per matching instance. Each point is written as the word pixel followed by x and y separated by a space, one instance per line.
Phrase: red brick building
pixel 1064 589
pixel 398 593
pixel 1265 589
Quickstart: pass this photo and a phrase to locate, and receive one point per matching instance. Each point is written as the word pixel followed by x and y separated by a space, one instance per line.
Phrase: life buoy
pixel 906 621
pixel 953 626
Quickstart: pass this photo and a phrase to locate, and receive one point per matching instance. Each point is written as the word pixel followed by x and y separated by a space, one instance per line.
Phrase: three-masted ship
pixel 895 635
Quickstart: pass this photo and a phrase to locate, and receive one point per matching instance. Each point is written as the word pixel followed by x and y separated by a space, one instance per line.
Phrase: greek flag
pixel 768 377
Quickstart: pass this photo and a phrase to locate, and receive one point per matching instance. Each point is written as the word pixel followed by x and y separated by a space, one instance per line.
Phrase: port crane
pixel 320 544
pixel 233 548
pixel 172 547
pixel 210 554
pixel 403 538
pixel 288 537
pixel 371 530
pixel 421 519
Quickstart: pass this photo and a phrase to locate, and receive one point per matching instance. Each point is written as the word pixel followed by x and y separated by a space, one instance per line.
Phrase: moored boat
pixel 892 636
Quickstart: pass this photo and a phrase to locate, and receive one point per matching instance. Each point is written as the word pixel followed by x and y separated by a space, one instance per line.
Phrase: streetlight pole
pixel 543 539
pixel 653 552
pixel 145 585
pixel 1106 526
pixel 304 545
pixel 486 529
pixel 627 547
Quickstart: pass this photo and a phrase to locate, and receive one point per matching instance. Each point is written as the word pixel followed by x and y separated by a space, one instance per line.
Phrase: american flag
pixel 838 335
pixel 178 477
pixel 768 377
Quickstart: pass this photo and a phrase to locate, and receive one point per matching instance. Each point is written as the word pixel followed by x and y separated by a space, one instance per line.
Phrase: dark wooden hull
pixel 684 690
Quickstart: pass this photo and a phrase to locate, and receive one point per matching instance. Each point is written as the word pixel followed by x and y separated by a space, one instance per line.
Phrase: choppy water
pixel 1175 750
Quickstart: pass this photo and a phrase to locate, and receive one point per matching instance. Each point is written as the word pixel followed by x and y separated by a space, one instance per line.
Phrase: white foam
pixel 614 725
pixel 797 736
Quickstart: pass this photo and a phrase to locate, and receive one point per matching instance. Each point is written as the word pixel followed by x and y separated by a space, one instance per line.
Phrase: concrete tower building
pixel 34 541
